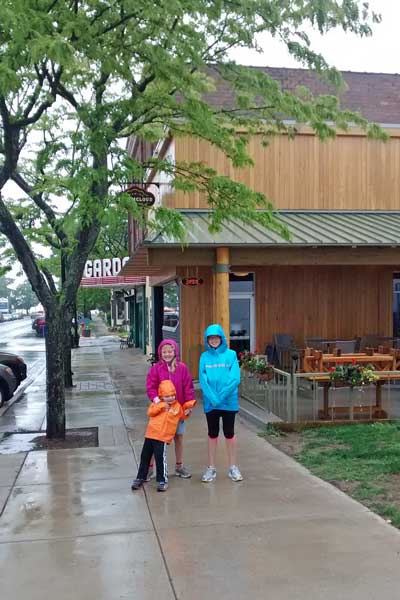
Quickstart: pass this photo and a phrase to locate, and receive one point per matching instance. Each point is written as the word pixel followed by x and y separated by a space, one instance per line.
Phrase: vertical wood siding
pixel 350 172
pixel 332 302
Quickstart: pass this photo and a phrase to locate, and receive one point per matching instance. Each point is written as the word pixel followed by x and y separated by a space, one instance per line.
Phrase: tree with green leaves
pixel 24 297
pixel 79 77
pixel 5 289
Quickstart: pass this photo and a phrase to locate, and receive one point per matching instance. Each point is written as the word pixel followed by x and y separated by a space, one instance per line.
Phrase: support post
pixel 221 278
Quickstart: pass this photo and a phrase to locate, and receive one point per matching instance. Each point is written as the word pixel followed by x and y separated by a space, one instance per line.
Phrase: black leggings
pixel 157 448
pixel 228 423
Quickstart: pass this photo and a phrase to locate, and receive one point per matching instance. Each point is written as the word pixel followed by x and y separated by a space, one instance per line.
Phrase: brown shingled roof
pixel 375 95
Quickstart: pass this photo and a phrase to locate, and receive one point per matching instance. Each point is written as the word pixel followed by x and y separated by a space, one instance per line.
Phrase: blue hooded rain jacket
pixel 219 374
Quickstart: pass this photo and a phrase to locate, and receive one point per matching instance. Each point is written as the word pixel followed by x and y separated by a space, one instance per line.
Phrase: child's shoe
pixel 235 474
pixel 162 486
pixel 137 484
pixel 183 472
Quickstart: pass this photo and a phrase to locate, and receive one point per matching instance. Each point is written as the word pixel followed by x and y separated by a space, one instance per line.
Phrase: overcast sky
pixel 379 53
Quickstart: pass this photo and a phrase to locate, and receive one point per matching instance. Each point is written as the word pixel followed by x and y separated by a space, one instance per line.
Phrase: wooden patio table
pixel 321 363
pixel 377 413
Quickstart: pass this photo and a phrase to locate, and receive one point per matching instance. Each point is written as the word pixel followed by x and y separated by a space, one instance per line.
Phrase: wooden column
pixel 221 275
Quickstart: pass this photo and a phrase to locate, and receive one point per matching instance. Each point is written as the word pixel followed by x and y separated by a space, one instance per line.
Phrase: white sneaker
pixel 209 475
pixel 235 474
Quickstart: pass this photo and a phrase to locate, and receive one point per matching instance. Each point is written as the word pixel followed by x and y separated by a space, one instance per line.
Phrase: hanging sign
pixel 192 281
pixel 141 196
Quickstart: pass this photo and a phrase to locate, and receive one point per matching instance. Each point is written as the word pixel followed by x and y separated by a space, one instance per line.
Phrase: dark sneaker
pixel 162 486
pixel 183 472
pixel 137 484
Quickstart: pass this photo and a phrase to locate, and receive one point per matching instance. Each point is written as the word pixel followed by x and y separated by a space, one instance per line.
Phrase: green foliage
pixel 24 297
pixel 353 374
pixel 90 299
pixel 122 70
pixel 5 289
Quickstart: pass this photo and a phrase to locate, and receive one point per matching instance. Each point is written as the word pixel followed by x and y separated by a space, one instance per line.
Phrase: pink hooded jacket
pixel 181 379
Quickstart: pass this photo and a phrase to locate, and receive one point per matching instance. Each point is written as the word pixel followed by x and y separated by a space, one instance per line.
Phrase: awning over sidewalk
pixel 307 228
pixel 137 266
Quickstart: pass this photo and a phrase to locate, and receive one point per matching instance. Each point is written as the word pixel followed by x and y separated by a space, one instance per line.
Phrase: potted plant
pixel 247 360
pixel 263 370
pixel 353 375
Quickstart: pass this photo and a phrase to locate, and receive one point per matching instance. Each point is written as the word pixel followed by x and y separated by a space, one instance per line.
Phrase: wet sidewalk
pixel 71 528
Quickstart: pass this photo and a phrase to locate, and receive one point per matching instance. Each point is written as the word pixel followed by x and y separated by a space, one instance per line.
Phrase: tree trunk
pixel 55 373
pixel 67 350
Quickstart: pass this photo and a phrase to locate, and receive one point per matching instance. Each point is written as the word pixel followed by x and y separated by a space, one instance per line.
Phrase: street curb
pixel 21 389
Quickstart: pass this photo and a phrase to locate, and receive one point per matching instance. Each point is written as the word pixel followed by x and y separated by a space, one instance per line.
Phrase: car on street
pixel 8 383
pixel 16 364
pixel 38 325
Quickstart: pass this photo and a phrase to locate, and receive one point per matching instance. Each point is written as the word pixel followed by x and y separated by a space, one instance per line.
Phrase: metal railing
pixel 301 397
pixel 274 396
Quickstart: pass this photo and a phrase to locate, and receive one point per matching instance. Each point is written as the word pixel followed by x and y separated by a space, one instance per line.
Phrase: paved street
pixel 19 338
pixel 71 527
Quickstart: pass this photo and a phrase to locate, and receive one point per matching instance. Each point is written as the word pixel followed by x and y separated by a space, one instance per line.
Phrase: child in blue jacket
pixel 219 376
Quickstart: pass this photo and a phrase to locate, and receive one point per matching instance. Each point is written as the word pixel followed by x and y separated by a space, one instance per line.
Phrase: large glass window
pixel 241 307
pixel 171 308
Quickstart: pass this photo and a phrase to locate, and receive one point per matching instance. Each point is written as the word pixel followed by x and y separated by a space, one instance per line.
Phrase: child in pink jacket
pixel 169 366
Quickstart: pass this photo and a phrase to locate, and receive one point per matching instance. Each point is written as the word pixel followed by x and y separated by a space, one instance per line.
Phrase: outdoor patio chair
pixel 286 351
pixel 373 341
pixel 317 343
pixel 346 346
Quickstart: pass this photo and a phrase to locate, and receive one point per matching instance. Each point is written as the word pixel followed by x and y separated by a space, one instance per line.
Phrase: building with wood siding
pixel 341 202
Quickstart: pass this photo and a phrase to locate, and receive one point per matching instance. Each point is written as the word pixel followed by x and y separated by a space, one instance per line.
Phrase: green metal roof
pixel 307 228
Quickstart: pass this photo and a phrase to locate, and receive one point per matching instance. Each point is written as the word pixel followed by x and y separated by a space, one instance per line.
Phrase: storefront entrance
pixel 241 308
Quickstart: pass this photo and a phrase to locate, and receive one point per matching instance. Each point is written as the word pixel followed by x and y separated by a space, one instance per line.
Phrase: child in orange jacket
pixel 164 418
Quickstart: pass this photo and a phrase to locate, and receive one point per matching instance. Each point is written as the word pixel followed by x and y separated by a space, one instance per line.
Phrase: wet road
pixel 18 337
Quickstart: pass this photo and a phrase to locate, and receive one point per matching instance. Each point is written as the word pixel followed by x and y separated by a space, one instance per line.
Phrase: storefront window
pixel 171 309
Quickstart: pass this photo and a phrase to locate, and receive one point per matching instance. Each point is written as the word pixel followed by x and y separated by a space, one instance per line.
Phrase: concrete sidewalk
pixel 71 527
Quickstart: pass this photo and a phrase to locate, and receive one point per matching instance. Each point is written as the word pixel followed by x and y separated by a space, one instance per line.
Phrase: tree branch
pixel 42 204
pixel 50 280
pixel 24 255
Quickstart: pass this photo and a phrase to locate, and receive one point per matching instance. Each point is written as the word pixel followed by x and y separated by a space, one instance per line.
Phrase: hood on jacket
pixel 215 329
pixel 166 388
pixel 170 343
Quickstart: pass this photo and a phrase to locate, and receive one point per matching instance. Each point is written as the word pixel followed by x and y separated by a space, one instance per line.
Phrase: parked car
pixel 16 364
pixel 8 384
pixel 37 315
pixel 38 325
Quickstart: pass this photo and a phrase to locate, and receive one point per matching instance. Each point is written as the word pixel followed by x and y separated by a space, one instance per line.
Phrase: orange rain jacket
pixel 164 418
